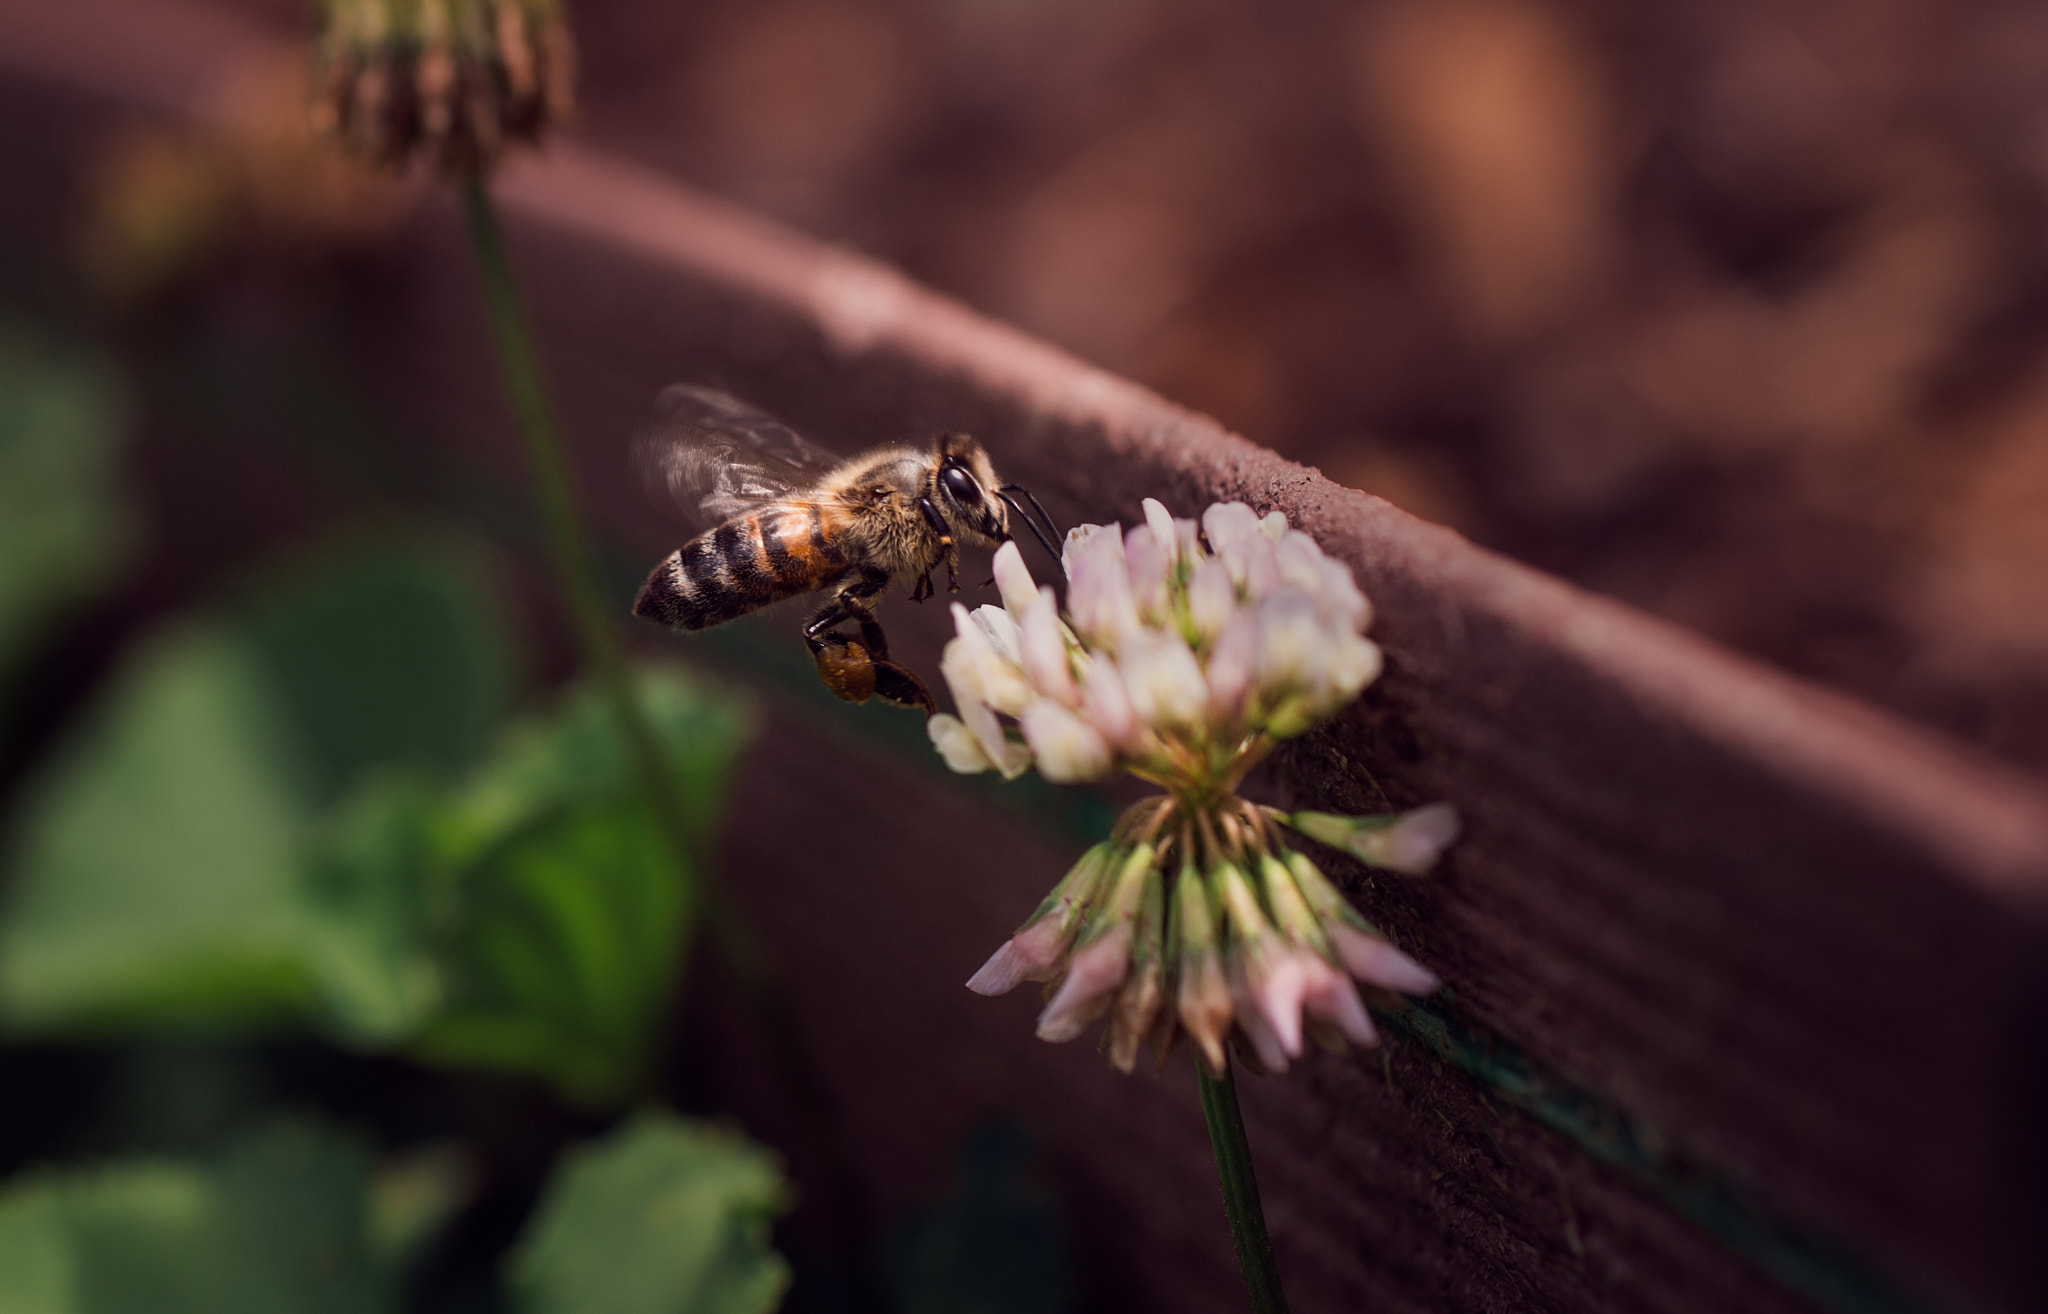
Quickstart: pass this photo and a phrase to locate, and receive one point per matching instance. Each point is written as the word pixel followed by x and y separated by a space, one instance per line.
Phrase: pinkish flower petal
pixel 1255 1027
pixel 976 672
pixel 1275 981
pixel 1354 663
pixel 1232 663
pixel 1099 587
pixel 1375 962
pixel 1107 704
pixel 1212 598
pixel 1066 747
pixel 1043 648
pixel 1328 994
pixel 1013 579
pixel 1160 521
pixel 1163 679
pixel 1029 955
pixel 1293 645
pixel 1228 525
pixel 1000 628
pixel 1098 969
pixel 957 744
pixel 1079 537
pixel 1149 559
pixel 1340 597
pixel 1415 842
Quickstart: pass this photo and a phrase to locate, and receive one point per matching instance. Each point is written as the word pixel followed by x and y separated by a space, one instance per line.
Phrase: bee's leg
pixel 844 665
pixel 946 544
pixel 855 671
pixel 893 683
pixel 849 603
pixel 923 588
pixel 901 686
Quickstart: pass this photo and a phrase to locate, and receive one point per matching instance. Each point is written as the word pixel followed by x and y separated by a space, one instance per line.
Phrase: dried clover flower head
pixel 451 79
pixel 1184 654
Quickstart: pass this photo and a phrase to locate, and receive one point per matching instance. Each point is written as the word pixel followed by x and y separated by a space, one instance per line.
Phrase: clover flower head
pixel 451 79
pixel 1184 653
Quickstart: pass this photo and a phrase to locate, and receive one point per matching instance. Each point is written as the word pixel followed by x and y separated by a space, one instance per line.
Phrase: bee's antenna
pixel 1006 493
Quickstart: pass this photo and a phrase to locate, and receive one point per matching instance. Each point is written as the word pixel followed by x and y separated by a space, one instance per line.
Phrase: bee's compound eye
pixel 960 485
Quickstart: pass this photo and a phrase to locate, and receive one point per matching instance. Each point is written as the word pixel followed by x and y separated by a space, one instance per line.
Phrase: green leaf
pixel 173 865
pixel 380 657
pixel 567 912
pixel 155 873
pixel 366 878
pixel 38 1272
pixel 665 1216
pixel 255 829
pixel 63 526
pixel 275 1224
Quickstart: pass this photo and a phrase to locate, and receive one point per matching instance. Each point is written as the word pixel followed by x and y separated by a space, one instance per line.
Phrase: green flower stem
pixel 569 550
pixel 739 948
pixel 1240 1191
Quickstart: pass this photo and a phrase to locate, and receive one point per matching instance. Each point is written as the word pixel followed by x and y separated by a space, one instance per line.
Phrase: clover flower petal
pixel 1160 521
pixel 1375 962
pixel 1013 580
pixel 1164 681
pixel 1035 951
pixel 1107 704
pixel 1229 527
pixel 1410 842
pixel 977 672
pixel 957 744
pixel 1211 599
pixel 1042 648
pixel 1150 562
pixel 1067 749
pixel 1099 585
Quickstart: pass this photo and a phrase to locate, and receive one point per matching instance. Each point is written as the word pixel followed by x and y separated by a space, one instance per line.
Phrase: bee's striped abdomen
pixel 744 564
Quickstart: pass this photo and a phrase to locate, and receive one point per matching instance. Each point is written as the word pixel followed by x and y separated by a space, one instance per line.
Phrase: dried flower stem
pixel 1241 1205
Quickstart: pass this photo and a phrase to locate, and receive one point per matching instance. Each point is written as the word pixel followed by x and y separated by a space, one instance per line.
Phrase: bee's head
pixel 976 504
pixel 964 486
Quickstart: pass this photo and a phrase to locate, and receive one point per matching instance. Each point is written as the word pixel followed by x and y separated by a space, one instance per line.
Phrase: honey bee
pixel 788 518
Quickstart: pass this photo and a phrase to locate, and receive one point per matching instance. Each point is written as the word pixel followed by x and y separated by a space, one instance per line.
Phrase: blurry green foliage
pixel 280 1222
pixel 664 1216
pixel 63 527
pixel 310 810
pixel 377 658
pixel 279 816
pixel 558 945
pixel 153 879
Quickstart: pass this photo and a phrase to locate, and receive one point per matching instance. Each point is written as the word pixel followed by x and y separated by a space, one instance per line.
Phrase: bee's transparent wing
pixel 715 457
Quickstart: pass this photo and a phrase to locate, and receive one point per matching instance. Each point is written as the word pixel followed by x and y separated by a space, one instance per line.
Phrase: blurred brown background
pixel 1736 311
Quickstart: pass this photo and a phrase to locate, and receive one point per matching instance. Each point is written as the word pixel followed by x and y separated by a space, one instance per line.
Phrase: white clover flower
pixel 1185 652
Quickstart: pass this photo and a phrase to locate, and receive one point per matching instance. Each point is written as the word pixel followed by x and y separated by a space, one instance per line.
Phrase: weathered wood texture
pixel 1796 945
